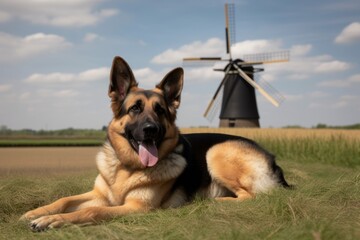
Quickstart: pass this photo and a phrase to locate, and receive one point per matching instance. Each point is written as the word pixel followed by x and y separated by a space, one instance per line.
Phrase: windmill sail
pixel 229 26
pixel 269 57
pixel 256 86
pixel 269 89
pixel 214 109
pixel 215 98
pixel 200 62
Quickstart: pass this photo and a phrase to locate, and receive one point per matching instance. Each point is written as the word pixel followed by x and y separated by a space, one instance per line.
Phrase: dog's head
pixel 143 128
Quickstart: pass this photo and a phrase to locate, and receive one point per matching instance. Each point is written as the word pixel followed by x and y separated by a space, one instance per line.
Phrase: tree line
pixel 67 132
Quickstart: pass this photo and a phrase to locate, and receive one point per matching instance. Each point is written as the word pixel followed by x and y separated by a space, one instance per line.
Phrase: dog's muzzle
pixel 148 152
pixel 145 139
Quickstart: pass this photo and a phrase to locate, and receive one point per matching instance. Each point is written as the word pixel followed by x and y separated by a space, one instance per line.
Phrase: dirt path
pixel 47 159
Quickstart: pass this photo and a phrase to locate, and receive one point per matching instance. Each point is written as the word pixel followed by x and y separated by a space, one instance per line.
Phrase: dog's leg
pixel 88 215
pixel 241 194
pixel 228 165
pixel 66 204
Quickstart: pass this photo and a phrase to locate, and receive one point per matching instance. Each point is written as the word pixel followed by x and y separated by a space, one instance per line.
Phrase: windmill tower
pixel 238 106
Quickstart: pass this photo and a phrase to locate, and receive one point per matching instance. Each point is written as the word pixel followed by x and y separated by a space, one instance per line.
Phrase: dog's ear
pixel 121 79
pixel 172 85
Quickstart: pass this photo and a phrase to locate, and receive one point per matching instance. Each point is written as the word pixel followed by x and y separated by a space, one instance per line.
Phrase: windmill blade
pixel 229 26
pixel 269 89
pixel 255 85
pixel 215 108
pixel 203 61
pixel 270 57
pixel 215 97
pixel 211 103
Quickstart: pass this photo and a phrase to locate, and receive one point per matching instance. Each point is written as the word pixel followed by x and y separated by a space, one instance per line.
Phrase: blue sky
pixel 56 55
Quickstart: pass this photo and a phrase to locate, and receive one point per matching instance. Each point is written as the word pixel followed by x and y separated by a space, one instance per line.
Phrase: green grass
pixel 324 205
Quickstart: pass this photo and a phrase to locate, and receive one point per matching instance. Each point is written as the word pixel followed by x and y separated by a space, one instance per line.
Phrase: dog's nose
pixel 150 130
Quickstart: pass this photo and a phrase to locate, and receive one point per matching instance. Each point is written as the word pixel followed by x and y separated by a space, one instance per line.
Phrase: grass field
pixel 323 165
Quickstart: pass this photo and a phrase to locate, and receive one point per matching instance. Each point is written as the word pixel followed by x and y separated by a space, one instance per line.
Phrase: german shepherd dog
pixel 147 164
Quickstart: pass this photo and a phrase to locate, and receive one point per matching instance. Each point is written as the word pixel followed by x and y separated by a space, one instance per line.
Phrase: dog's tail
pixel 280 176
pixel 281 179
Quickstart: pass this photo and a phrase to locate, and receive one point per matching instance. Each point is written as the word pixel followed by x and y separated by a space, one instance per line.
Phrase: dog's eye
pixel 159 110
pixel 135 109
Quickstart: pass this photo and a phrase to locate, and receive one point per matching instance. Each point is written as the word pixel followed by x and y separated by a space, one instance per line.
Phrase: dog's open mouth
pixel 148 153
pixel 147 150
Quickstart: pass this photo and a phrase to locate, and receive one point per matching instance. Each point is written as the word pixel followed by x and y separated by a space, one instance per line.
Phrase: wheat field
pixel 283 133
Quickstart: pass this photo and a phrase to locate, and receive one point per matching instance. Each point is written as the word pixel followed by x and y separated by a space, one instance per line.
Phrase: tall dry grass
pixel 328 146
pixel 283 133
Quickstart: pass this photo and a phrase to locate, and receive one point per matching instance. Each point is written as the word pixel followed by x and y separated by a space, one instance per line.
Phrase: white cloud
pixel 66 13
pixel 5 87
pixel 66 93
pixel 57 77
pixel 334 83
pixel 17 48
pixel 300 50
pixel 355 78
pixel 349 34
pixel 214 47
pixel 255 46
pixel 202 74
pixel 347 82
pixel 147 77
pixel 50 78
pixel 90 37
pixel 45 93
pixel 307 66
pixel 94 74
pixel 332 66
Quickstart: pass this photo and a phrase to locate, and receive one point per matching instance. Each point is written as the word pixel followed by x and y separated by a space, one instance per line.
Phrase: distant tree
pixel 321 125
pixel 4 130
pixel 293 126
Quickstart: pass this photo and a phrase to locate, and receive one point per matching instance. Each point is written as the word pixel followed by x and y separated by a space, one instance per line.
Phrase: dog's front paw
pixel 45 222
pixel 30 215
pixel 36 213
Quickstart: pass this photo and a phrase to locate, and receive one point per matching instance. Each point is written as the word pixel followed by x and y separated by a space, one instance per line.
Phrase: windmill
pixel 238 106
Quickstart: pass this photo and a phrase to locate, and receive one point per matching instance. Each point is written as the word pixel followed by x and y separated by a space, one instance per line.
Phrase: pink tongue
pixel 148 154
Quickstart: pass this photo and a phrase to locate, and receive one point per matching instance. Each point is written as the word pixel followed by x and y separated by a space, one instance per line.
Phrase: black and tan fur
pixel 147 164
